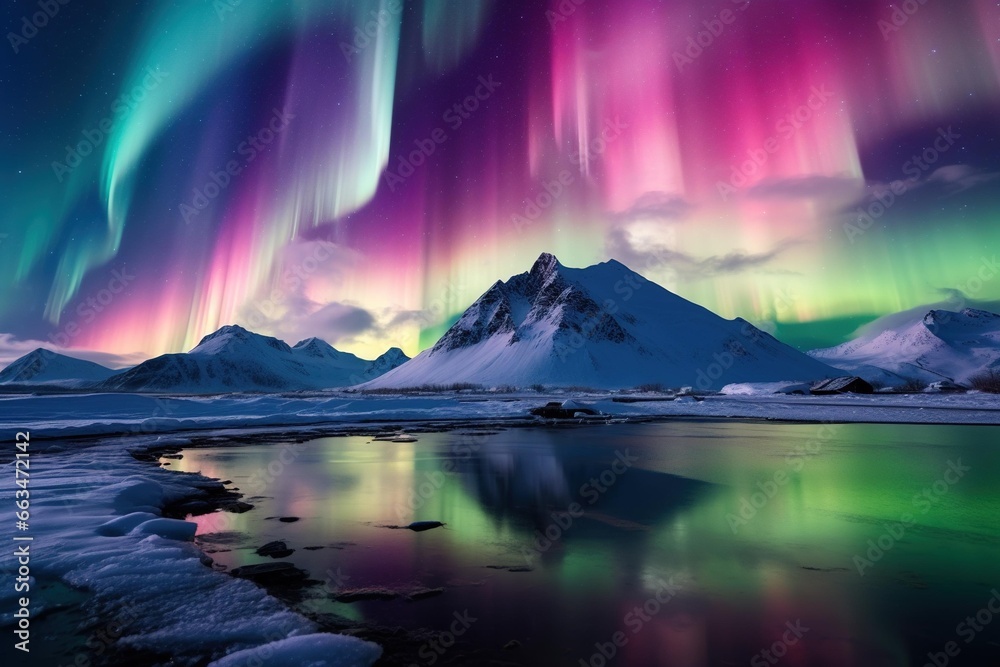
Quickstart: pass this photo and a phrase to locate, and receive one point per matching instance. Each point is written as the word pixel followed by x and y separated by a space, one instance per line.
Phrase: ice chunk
pixel 171 529
pixel 123 524
pixel 139 495
pixel 318 650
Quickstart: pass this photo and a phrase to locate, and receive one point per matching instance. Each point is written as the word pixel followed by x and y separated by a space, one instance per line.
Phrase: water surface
pixel 690 543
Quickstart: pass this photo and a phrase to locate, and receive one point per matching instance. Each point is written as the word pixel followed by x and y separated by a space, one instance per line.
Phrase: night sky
pixel 362 170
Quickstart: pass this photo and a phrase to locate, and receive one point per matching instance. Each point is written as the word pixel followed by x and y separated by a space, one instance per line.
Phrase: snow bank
pixel 764 388
pixel 96 525
pixel 318 650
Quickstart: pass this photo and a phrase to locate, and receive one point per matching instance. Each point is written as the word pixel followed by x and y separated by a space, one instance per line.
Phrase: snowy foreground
pixel 96 525
pixel 76 415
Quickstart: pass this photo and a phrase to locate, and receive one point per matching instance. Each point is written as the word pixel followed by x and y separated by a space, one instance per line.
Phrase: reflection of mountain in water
pixel 527 475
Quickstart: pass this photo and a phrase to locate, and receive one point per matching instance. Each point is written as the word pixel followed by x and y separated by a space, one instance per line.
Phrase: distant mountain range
pixel 231 359
pixel 941 345
pixel 604 326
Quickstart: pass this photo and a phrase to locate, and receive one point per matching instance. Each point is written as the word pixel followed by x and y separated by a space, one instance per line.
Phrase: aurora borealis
pixel 361 170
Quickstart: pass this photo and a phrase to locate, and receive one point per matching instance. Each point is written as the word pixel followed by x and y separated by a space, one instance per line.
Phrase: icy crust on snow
pixel 306 651
pixel 97 526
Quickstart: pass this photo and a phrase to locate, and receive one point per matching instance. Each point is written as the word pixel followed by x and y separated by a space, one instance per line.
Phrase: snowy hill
pixel 941 345
pixel 603 326
pixel 234 359
pixel 43 366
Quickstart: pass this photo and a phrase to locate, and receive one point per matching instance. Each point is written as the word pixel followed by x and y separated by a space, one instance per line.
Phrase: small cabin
pixel 842 385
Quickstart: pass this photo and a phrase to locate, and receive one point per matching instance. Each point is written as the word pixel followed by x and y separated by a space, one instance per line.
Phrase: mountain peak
pixel 233 336
pixel 600 326
pixel 227 330
pixel 936 319
pixel 42 365
pixel 546 264
pixel 388 360
pixel 316 347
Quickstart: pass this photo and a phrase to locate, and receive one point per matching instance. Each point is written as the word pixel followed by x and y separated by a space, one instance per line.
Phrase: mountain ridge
pixel 940 345
pixel 603 326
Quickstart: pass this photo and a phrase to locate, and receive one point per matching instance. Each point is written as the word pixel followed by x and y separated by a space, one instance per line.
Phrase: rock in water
pixel 276 549
pixel 420 526
pixel 271 573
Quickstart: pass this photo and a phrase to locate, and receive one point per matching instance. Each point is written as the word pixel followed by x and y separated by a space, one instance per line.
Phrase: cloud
pixel 943 182
pixel 621 246
pixel 302 261
pixel 960 177
pixel 654 206
pixel 826 188
pixel 342 319
pixel 846 193
pixel 299 318
pixel 402 318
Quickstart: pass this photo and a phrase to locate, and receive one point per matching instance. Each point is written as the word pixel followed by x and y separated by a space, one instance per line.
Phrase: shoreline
pixel 92 417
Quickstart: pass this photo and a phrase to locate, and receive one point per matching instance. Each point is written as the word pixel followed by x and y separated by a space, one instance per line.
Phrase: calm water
pixel 715 543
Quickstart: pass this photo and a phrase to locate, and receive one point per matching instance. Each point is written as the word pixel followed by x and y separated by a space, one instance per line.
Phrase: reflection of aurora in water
pixel 665 517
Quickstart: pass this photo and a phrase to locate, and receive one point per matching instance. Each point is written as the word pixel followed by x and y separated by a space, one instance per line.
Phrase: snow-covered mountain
pixel 941 345
pixel 44 367
pixel 604 326
pixel 234 359
pixel 390 359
